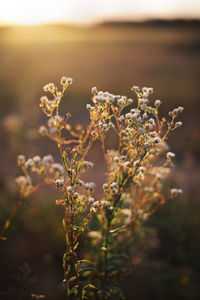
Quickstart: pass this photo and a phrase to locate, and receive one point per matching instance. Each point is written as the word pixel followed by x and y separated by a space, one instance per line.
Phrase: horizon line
pixel 103 21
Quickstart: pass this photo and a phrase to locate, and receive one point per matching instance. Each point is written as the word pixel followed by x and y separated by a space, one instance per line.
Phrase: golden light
pixel 28 12
pixel 31 12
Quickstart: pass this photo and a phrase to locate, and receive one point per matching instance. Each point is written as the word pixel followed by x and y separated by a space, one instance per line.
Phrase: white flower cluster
pixel 53 124
pixel 40 165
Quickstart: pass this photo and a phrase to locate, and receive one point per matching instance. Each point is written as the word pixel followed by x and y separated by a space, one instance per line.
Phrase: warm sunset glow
pixel 29 12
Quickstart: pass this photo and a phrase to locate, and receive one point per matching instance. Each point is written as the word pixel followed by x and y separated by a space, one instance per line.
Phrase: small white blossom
pixel 29 163
pixel 128 115
pixel 130 101
pixel 121 118
pixel 92 186
pixel 63 80
pixel 76 195
pixel 59 183
pixel 21 180
pixel 105 186
pixel 47 160
pixel 43 130
pixel 121 102
pixel 70 189
pixel 136 88
pixel 88 164
pixel 180 109
pixel 170 155
pixel 151 121
pixel 91 200
pixel 105 203
pixel 176 191
pixel 141 130
pixel 88 106
pixel 153 134
pixel 126 164
pixel 20 159
pixel 157 103
pixel 157 140
pixel 178 124
pixel 37 160
pixel 113 185
pixel 96 204
pixel 58 168
pixel 116 159
pixel 94 90
pixel 43 99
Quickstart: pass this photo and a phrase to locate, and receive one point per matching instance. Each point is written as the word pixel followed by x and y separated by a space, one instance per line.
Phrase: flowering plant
pixel 134 183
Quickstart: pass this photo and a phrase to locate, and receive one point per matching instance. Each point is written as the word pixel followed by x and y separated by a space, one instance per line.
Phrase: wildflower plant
pixel 134 182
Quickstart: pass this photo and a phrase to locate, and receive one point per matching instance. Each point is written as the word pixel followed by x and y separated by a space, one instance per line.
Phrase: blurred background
pixel 112 45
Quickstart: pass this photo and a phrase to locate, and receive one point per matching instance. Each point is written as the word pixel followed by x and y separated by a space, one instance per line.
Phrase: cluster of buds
pixel 49 106
pixel 45 165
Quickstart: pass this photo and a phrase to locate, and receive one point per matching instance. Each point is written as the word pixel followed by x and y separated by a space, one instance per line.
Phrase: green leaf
pixel 86 269
pixel 116 231
pixel 74 290
pixel 86 261
pixel 75 246
pixel 64 155
pixel 7 224
pixel 72 279
pixel 76 227
pixel 89 285
pixel 79 166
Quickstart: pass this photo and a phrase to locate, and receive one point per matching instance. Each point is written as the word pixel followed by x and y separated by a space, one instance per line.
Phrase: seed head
pixel 170 155
pixel 178 124
pixel 96 204
pixel 157 103
pixel 20 159
pixel 94 90
pixel 128 115
pixel 70 189
pixel 29 163
pixel 88 106
pixel 47 160
pixel 113 185
pixel 58 168
pixel 43 99
pixel 91 200
pixel 63 80
pixel 37 160
pixel 130 101
pixel 105 186
pixel 157 140
pixel 69 81
pixel 43 130
pixel 121 102
pixel 154 134
pixel 136 88
pixel 116 159
pixel 21 180
pixel 76 195
pixel 175 191
pixel 121 118
pixel 60 183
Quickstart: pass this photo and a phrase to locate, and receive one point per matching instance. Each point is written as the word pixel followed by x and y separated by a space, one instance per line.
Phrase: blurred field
pixel 113 57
